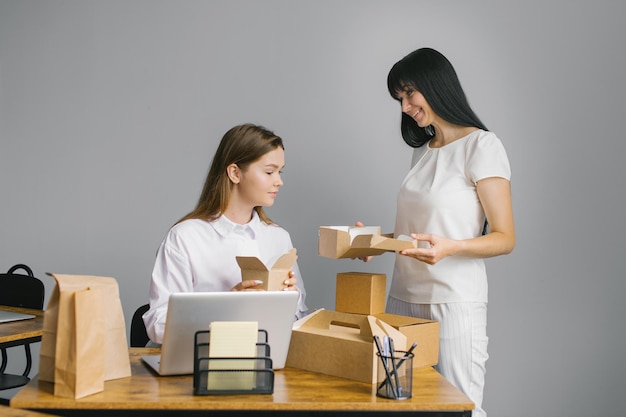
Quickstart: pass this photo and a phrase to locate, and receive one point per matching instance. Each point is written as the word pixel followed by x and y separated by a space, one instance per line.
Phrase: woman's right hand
pixel 365 258
pixel 248 285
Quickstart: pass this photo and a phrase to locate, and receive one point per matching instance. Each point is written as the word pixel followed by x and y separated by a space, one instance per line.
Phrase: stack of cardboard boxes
pixel 340 342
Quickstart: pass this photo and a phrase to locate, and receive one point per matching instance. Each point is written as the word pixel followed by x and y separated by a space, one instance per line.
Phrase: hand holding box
pixel 357 242
pixel 272 278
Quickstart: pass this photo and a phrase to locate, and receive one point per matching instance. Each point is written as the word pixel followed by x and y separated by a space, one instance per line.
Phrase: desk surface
pixel 294 389
pixel 15 412
pixel 15 331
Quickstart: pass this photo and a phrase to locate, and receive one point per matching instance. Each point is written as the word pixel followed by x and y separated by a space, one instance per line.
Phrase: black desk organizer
pixel 213 375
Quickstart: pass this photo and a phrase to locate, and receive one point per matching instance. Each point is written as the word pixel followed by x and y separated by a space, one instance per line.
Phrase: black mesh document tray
pixel 222 375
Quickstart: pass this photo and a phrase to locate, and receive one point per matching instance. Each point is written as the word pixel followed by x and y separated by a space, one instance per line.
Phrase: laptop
pixel 8 316
pixel 190 312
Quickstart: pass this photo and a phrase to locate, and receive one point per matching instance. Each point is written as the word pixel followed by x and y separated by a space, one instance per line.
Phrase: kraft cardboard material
pixel 84 336
pixel 424 332
pixel 340 344
pixel 356 242
pixel 360 293
pixel 273 278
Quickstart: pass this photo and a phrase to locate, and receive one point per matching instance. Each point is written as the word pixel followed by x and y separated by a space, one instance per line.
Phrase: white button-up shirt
pixel 198 255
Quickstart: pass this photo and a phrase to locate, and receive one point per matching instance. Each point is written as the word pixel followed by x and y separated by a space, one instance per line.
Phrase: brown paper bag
pixel 84 336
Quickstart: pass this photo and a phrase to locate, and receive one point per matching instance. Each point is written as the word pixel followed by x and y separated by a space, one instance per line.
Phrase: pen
pixel 392 352
pixel 408 353
pixel 386 345
pixel 381 353
pixel 378 346
pixel 387 352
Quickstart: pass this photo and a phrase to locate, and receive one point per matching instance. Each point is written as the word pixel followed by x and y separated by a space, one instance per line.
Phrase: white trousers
pixel 462 345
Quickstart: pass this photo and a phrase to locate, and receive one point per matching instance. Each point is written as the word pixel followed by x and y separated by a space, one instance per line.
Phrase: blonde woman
pixel 198 253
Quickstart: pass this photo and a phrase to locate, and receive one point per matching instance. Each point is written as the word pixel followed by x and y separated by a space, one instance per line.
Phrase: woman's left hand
pixel 290 283
pixel 440 247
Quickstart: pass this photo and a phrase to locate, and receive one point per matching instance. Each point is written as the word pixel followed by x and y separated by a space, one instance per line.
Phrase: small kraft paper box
pixel 360 293
pixel 340 344
pixel 273 278
pixel 356 242
pixel 424 332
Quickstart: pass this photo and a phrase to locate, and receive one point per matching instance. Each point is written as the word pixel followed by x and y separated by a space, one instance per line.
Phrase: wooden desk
pixel 15 333
pixel 296 392
pixel 17 412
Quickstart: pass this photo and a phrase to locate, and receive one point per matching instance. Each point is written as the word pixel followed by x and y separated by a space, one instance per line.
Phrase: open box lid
pixel 398 320
pixel 284 262
pixel 356 242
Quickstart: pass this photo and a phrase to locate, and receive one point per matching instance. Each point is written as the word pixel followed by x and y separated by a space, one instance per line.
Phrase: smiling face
pixel 259 182
pixel 415 105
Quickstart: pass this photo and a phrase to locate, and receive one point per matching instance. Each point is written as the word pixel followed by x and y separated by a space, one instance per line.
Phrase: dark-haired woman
pixel 199 251
pixel 456 201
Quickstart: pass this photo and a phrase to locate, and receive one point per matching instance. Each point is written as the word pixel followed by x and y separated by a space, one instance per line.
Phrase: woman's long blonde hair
pixel 241 145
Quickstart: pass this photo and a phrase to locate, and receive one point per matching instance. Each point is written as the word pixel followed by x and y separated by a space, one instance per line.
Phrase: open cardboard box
pixel 424 332
pixel 356 242
pixel 273 278
pixel 340 344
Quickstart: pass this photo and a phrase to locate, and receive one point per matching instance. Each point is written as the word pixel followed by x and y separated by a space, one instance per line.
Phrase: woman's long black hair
pixel 430 73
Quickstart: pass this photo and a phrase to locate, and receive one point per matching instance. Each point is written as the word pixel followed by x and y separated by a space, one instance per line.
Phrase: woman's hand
pixel 248 285
pixel 365 258
pixel 440 247
pixel 290 283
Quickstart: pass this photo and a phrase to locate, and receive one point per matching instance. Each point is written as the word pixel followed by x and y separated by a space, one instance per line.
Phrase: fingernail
pixel 258 281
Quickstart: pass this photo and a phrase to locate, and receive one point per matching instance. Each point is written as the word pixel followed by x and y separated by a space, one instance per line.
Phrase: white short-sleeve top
pixel 439 196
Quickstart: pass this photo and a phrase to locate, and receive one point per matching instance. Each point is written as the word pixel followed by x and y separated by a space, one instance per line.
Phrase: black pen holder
pixel 226 375
pixel 397 371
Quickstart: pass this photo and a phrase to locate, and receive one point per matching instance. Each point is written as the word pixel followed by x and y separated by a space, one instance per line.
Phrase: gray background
pixel 110 113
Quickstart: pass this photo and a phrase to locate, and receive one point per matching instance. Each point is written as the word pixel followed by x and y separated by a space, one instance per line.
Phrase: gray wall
pixel 110 113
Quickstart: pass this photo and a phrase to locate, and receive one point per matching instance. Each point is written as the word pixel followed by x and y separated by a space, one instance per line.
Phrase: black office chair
pixel 138 335
pixel 25 291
